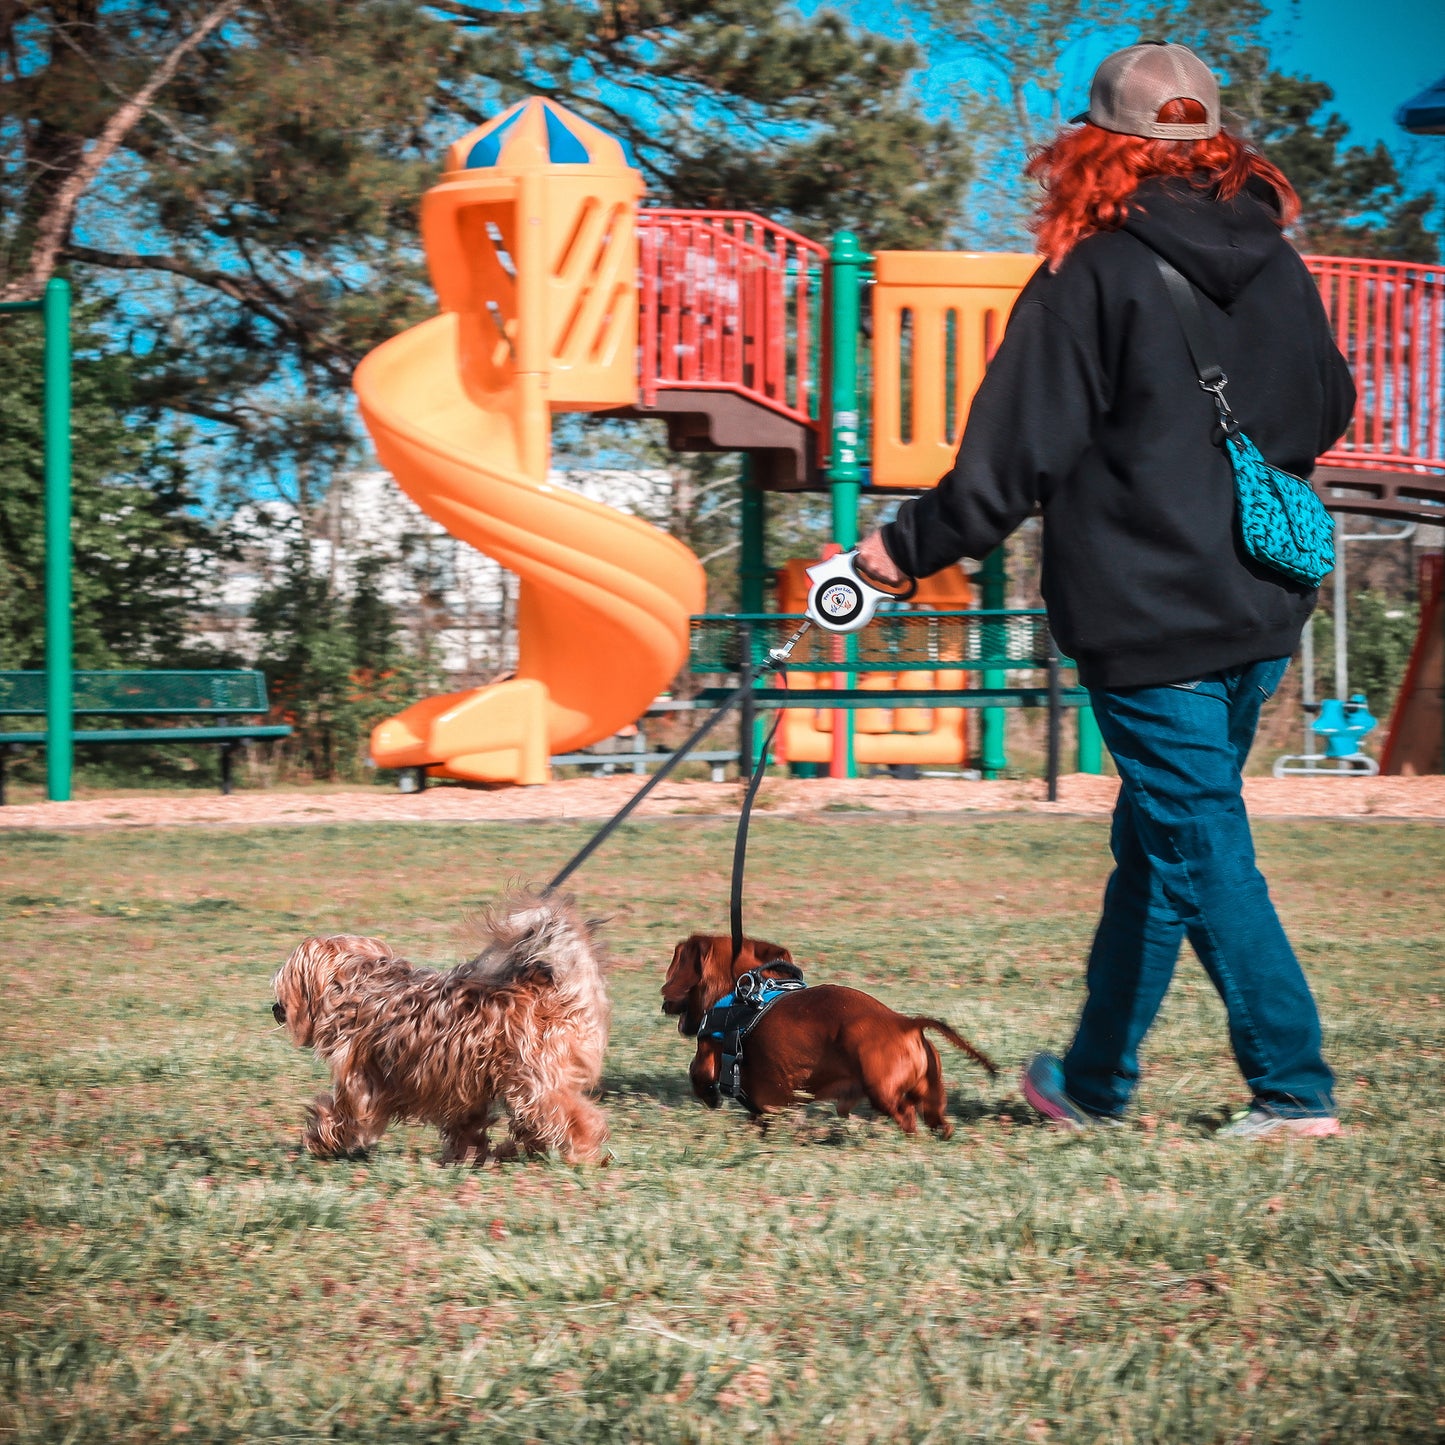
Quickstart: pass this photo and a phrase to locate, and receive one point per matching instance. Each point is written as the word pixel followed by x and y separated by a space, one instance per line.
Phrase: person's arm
pixel 1031 419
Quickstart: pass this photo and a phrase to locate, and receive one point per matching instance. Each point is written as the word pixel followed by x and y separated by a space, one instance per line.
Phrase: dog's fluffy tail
pixel 530 935
pixel 959 1042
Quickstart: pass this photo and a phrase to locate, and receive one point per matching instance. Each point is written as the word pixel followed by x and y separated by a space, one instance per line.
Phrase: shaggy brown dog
pixel 825 1042
pixel 522 1027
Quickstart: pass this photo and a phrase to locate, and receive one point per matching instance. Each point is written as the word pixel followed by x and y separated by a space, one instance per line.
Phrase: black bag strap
pixel 1211 375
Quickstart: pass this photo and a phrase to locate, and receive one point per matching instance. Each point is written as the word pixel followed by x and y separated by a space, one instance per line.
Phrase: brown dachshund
pixel 825 1042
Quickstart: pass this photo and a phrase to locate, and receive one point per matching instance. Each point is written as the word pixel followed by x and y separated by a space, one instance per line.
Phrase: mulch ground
pixel 597 798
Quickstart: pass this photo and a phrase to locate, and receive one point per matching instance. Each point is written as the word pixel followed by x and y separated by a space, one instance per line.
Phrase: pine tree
pixel 142 553
pixel 261 213
pixel 1032 58
pixel 1354 201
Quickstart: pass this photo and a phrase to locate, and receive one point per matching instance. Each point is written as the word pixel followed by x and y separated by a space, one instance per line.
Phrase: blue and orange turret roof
pixel 532 134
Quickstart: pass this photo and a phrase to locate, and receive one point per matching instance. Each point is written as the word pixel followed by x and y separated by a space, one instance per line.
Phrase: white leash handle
pixel 841 599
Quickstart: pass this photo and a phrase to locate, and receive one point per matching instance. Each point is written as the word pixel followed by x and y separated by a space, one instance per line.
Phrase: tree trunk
pixel 67 166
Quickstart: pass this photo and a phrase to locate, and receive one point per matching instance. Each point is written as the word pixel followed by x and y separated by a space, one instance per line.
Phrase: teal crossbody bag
pixel 1282 523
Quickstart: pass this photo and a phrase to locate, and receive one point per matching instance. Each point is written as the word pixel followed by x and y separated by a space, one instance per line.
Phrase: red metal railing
pixel 1389 320
pixel 729 302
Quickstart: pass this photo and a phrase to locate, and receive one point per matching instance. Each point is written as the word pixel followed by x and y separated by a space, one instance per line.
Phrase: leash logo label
pixel 839 599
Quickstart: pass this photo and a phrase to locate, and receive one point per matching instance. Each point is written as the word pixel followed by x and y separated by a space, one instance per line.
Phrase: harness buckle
pixel 752 996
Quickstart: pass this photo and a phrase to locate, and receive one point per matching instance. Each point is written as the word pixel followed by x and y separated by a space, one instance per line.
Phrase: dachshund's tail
pixel 959 1042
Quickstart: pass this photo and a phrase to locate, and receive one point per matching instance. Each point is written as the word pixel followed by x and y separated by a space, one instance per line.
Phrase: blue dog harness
pixel 734 1016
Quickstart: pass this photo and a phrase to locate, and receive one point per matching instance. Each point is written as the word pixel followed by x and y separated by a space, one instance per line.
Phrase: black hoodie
pixel 1091 410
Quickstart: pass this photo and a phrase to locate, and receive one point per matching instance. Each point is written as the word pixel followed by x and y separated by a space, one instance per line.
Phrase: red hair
pixel 1090 174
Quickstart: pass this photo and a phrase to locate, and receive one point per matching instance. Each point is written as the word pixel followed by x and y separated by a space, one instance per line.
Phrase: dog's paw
pixel 328 1134
pixel 323 1148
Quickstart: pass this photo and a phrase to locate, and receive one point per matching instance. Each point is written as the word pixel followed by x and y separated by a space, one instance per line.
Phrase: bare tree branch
pixel 55 224
pixel 472 14
pixel 229 284
pixel 256 295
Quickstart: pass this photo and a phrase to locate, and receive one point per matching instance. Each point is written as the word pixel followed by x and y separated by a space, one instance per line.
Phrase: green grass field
pixel 171 1267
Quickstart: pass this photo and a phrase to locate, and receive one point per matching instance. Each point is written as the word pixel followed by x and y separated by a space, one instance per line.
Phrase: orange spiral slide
pixel 532 245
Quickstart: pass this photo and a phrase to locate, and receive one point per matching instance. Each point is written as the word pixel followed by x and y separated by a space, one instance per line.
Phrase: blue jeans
pixel 1184 866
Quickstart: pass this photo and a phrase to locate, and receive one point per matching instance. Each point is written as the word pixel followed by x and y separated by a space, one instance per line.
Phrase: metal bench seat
pixel 638 762
pixel 121 692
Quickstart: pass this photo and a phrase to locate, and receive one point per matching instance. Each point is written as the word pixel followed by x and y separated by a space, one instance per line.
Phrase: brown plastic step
pixel 784 452
pixel 1407 496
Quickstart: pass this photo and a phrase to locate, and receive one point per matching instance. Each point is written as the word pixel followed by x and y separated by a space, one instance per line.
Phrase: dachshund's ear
pixel 718 972
pixel 685 970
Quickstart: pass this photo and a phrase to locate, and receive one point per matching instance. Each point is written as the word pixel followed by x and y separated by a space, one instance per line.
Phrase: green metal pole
pixel 992 753
pixel 845 475
pixel 752 565
pixel 1091 742
pixel 752 562
pixel 59 695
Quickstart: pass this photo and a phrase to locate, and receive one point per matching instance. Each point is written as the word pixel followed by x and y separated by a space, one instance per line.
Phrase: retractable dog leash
pixel 842 598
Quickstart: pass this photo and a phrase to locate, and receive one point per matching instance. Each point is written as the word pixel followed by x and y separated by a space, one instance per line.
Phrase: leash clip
pixel 777 656
pixel 748 986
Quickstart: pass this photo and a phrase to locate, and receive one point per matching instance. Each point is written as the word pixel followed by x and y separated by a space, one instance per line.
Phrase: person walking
pixel 1093 412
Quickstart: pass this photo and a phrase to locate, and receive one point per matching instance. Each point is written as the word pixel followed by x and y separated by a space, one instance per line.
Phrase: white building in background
pixel 437 585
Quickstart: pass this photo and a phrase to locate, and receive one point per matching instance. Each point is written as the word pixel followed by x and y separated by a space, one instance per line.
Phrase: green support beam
pixel 993 585
pixel 54 311
pixel 845 474
pixel 1091 742
pixel 59 658
pixel 752 562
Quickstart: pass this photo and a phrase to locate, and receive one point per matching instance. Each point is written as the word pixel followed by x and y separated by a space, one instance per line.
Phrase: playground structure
pixel 1417 727
pixel 558 292
pixel 889 734
pixel 531 241
pixel 1342 726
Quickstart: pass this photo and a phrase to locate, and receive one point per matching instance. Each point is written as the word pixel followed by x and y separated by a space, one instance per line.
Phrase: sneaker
pixel 1259 1121
pixel 1043 1086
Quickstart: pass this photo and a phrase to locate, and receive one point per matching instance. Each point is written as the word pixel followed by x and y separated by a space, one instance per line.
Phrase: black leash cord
pixel 777 660
pixel 740 847
pixel 607 829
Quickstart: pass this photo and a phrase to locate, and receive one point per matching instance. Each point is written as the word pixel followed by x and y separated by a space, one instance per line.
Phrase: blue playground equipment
pixel 1342 725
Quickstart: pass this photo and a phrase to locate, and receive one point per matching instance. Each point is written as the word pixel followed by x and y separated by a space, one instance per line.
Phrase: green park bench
pixel 194 694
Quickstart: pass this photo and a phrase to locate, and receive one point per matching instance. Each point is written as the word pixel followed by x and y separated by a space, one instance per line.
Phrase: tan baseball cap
pixel 1131 85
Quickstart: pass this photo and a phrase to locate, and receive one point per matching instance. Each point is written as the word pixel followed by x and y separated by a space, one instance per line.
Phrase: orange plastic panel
pixel 917 719
pixel 875 719
pixel 806 735
pixel 880 735
pixel 938 317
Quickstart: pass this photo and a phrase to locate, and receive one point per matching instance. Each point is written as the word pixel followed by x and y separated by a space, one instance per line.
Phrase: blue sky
pixel 1375 54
